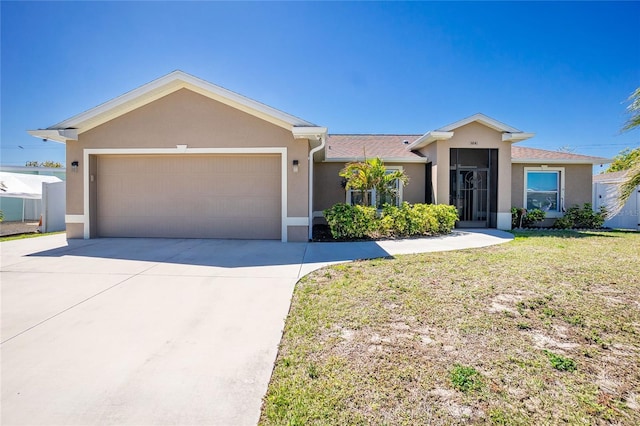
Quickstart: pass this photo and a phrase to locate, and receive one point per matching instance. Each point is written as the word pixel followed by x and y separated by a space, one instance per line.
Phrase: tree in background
pixel 624 160
pixel 634 111
pixel 632 177
pixel 48 163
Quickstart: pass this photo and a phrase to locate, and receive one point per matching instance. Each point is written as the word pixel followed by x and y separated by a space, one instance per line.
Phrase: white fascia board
pixel 560 161
pixel 168 84
pixel 57 135
pixel 429 138
pixel 314 133
pixel 516 137
pixel 483 119
pixel 384 159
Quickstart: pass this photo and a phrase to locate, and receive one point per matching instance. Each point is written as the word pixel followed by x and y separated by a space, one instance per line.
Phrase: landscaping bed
pixel 542 330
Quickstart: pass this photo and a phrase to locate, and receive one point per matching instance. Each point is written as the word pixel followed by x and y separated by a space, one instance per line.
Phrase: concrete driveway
pixel 155 331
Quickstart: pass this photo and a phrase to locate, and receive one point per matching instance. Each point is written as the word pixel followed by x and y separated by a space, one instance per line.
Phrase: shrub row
pixel 575 217
pixel 348 222
pixel 521 217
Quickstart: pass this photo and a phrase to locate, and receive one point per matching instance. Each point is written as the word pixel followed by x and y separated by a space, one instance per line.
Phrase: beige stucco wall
pixel 413 192
pixel 577 183
pixel 328 190
pixel 188 118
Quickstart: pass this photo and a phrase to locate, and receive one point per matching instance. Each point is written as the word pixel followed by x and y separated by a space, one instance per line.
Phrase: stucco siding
pixel 414 191
pixel 188 118
pixel 327 188
pixel 329 191
pixel 577 183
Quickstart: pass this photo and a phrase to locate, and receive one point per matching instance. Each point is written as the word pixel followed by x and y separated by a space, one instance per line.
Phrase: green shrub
pixel 581 217
pixel 347 221
pixel 417 219
pixel 521 217
pixel 564 222
pixel 517 215
pixel 533 216
pixel 446 217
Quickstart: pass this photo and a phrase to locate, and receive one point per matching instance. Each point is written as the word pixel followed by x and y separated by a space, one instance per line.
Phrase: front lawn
pixel 542 330
pixel 25 236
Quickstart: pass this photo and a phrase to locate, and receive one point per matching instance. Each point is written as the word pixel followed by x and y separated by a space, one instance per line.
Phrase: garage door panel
pixel 235 228
pixel 208 196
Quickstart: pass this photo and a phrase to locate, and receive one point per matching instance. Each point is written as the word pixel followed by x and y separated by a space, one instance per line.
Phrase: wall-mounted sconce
pixel 295 166
pixel 74 166
pixel 343 183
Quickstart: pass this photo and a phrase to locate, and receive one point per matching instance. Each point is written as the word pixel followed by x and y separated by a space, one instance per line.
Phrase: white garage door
pixel 189 196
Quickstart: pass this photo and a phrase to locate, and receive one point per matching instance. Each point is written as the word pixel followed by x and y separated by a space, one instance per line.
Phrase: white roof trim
pixel 313 133
pixel 516 137
pixel 483 119
pixel 161 87
pixel 58 135
pixel 385 159
pixel 428 138
pixel 560 161
pixel 509 134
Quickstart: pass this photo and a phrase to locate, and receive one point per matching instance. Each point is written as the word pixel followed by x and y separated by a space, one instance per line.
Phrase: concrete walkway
pixel 157 331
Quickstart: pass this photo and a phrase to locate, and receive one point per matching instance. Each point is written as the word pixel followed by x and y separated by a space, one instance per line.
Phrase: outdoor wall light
pixel 74 165
pixel 295 166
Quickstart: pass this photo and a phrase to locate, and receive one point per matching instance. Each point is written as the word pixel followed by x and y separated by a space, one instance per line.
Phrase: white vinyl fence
pixel 53 206
pixel 627 218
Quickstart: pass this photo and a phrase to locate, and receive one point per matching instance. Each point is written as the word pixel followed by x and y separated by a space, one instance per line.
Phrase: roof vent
pixel 406 142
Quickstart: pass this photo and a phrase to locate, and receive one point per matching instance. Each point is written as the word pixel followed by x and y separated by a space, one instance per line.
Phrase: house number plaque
pixel 473 143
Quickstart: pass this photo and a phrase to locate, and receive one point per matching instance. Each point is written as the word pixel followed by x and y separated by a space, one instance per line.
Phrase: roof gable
pixel 70 129
pixel 509 134
pixel 482 119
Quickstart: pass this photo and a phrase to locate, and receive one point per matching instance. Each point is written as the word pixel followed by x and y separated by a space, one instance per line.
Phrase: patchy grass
pixel 29 235
pixel 541 330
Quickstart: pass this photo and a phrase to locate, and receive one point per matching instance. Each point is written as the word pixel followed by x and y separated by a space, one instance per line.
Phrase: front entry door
pixel 472 197
pixel 473 186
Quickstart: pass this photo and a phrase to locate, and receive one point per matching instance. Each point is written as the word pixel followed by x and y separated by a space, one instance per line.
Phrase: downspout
pixel 323 139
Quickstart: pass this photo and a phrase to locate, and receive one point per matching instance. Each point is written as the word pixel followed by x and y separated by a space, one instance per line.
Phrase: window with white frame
pixel 544 189
pixel 395 198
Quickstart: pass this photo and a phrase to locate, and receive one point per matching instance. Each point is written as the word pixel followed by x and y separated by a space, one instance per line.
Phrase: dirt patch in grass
pixel 548 326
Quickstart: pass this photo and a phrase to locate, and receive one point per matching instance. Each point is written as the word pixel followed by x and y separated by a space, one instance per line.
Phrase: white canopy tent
pixel 24 186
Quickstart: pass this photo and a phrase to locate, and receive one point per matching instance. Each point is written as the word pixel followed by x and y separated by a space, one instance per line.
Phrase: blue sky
pixel 561 70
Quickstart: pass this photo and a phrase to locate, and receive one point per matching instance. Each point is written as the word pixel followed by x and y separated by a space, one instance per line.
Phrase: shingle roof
pixel 351 147
pixel 610 177
pixel 356 146
pixel 522 153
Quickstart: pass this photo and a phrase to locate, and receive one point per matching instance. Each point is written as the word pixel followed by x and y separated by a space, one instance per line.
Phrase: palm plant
pixel 363 176
pixel 632 177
